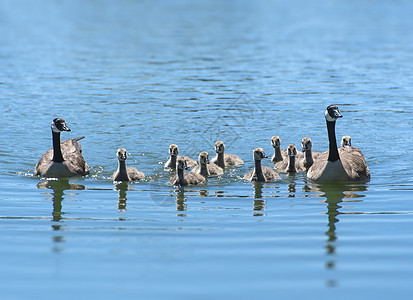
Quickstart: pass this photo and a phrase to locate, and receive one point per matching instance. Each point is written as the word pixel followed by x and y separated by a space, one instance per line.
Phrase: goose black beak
pixel 337 113
pixel 65 128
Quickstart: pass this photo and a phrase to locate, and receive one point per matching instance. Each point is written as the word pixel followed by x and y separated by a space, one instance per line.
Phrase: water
pixel 142 75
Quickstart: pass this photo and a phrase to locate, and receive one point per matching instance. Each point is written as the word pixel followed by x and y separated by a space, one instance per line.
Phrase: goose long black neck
pixel 333 150
pixel 122 172
pixel 258 170
pixel 57 151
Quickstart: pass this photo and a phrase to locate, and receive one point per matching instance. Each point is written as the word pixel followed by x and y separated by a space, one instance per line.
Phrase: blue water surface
pixel 144 74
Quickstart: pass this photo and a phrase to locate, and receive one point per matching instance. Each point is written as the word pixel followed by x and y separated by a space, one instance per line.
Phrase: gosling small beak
pixel 263 155
pixel 207 160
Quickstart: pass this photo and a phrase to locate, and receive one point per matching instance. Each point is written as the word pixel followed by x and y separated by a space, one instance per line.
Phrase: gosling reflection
pixel 58 187
pixel 180 201
pixel 122 188
pixel 259 202
pixel 335 194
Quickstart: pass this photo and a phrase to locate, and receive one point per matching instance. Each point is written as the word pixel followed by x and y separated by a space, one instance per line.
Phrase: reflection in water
pixel 180 201
pixel 259 203
pixel 122 188
pixel 58 187
pixel 334 194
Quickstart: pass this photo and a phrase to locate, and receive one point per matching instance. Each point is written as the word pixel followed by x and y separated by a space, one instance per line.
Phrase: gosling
pixel 182 178
pixel 225 160
pixel 123 173
pixel 309 155
pixel 292 165
pixel 171 163
pixel 205 168
pixel 260 173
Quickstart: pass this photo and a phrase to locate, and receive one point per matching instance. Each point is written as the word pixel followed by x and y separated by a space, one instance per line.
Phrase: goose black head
pixel 59 125
pixel 332 113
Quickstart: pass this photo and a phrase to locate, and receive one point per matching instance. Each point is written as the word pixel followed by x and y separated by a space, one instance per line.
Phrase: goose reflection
pixel 58 187
pixel 335 194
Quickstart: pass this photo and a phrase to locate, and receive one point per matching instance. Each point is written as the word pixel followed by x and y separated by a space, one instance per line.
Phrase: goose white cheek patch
pixel 54 128
pixel 328 117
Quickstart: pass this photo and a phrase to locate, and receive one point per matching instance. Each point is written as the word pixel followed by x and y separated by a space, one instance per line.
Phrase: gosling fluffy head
pixel 203 157
pixel 275 141
pixel 306 144
pixel 219 147
pixel 259 154
pixel 346 141
pixel 181 164
pixel 121 154
pixel 173 150
pixel 291 150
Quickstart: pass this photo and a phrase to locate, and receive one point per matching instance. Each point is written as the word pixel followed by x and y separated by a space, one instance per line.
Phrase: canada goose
pixel 292 165
pixel 182 178
pixel 309 155
pixel 346 141
pixel 173 152
pixel 65 159
pixel 225 160
pixel 334 165
pixel 205 168
pixel 260 173
pixel 123 173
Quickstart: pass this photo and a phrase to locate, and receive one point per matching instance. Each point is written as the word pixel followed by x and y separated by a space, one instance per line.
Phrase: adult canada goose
pixel 173 152
pixel 334 165
pixel 182 178
pixel 260 173
pixel 65 159
pixel 346 141
pixel 123 173
pixel 292 165
pixel 205 168
pixel 225 160
pixel 309 155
